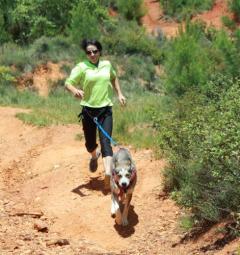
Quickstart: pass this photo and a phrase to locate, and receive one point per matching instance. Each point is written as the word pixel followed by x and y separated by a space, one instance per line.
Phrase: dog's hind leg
pixel 126 209
pixel 115 209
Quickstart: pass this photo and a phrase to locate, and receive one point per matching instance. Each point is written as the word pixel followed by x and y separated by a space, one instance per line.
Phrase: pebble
pixel 41 226
pixel 59 242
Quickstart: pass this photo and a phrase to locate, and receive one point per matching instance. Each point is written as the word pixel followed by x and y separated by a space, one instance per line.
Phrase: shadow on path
pixel 132 222
pixel 95 183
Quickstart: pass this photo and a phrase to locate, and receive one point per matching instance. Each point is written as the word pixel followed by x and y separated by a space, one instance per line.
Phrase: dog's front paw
pixel 124 221
pixel 114 209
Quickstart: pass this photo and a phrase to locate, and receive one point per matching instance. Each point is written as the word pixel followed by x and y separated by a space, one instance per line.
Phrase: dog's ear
pixel 133 167
pixel 114 161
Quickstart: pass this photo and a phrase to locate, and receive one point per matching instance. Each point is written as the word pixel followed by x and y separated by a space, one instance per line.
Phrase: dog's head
pixel 123 168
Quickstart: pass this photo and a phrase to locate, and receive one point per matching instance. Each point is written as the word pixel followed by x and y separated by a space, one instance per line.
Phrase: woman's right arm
pixel 76 92
pixel 73 79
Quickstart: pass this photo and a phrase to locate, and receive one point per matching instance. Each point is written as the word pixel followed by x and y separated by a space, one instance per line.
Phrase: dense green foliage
pixel 131 9
pixel 26 20
pixel 187 63
pixel 199 132
pixel 196 55
pixel 23 21
pixel 128 38
pixel 25 59
pixel 235 7
pixel 202 141
pixel 83 23
pixel 181 9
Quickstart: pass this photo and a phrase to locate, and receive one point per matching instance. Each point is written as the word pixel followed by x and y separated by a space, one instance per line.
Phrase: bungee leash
pixel 95 119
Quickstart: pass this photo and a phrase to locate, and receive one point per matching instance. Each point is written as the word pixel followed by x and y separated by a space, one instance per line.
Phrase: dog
pixel 123 180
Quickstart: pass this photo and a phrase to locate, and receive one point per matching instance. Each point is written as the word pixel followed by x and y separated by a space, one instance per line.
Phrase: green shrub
pixel 181 9
pixel 6 75
pixel 31 19
pixel 53 49
pixel 136 69
pixel 131 9
pixel 44 49
pixel 187 63
pixel 42 27
pixel 14 55
pixel 128 38
pixel 4 36
pixel 86 21
pixel 228 22
pixel 202 142
pixel 235 8
pixel 228 54
pixel 197 55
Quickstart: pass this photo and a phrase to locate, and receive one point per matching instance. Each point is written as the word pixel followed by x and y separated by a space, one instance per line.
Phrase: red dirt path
pixel 45 171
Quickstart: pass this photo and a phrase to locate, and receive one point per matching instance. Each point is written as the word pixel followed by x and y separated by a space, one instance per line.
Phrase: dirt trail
pixel 44 171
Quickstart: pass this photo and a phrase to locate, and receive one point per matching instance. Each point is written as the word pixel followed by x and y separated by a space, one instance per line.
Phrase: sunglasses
pixel 88 52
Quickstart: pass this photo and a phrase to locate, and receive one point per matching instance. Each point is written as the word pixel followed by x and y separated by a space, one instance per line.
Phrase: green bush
pixel 4 36
pixel 128 38
pixel 182 9
pixel 87 19
pixel 6 75
pixel 228 54
pixel 53 49
pixel 187 63
pixel 44 49
pixel 197 55
pixel 228 22
pixel 202 141
pixel 31 19
pixel 136 69
pixel 6 8
pixel 14 55
pixel 235 8
pixel 131 9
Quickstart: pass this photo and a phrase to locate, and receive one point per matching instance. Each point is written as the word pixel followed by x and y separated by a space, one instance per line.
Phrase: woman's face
pixel 93 53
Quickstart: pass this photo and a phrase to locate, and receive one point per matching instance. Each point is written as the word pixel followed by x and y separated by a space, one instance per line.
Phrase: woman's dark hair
pixel 86 42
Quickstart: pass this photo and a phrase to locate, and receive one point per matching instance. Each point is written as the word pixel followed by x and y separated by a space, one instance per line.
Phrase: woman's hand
pixel 78 93
pixel 122 99
pixel 117 88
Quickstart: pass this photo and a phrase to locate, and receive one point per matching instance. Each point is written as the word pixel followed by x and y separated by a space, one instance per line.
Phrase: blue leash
pixel 104 132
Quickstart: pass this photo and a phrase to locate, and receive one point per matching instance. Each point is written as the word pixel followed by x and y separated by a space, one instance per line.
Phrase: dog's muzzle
pixel 123 187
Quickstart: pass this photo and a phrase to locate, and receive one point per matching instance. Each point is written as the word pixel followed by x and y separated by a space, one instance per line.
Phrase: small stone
pixel 56 166
pixel 27 237
pixel 59 242
pixel 41 226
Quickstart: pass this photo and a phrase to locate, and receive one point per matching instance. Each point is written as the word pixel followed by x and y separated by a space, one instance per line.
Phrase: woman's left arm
pixel 116 86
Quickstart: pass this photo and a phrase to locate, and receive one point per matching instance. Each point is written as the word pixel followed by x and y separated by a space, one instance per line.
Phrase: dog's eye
pixel 128 175
pixel 119 175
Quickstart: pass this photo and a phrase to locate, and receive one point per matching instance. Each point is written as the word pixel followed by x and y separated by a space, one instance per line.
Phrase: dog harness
pixel 122 190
